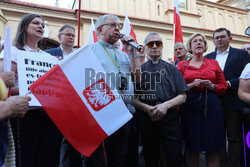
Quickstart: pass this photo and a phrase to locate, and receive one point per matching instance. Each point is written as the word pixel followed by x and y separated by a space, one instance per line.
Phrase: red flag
pixel 92 34
pixel 127 30
pixel 177 32
pixel 81 104
pixel 177 24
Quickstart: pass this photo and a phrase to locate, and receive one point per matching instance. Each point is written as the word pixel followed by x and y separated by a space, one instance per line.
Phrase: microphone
pixel 131 43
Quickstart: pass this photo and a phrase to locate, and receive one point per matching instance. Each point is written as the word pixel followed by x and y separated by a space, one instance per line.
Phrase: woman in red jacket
pixel 201 115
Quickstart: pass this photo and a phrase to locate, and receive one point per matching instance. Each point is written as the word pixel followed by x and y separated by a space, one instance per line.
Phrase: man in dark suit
pixel 66 37
pixel 232 61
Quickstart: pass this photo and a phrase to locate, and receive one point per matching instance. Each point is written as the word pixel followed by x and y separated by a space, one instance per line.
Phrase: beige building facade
pixel 145 16
pixel 244 4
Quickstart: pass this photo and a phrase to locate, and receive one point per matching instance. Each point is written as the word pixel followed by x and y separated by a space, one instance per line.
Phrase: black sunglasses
pixel 152 43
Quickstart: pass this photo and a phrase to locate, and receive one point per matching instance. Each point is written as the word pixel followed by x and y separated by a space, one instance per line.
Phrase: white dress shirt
pixel 222 58
pixel 64 53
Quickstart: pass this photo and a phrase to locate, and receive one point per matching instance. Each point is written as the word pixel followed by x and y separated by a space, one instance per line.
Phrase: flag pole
pixel 174 21
pixel 79 24
pixel 173 37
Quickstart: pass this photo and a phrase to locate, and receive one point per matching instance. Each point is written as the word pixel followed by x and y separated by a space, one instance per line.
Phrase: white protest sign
pixel 31 66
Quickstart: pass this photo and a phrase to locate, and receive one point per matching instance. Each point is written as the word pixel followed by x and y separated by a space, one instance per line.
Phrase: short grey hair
pixel 189 49
pixel 180 44
pixel 103 20
pixel 149 35
pixel 66 26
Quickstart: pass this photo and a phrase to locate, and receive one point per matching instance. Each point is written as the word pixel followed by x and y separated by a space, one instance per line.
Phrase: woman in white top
pixel 36 137
pixel 244 87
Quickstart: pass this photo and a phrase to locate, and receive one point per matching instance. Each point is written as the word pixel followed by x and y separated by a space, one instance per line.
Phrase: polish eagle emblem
pixel 98 95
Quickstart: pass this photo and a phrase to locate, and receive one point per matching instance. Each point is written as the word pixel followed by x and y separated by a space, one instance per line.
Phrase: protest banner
pixel 32 66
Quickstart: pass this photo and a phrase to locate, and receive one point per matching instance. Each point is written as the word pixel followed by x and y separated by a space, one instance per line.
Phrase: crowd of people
pixel 193 101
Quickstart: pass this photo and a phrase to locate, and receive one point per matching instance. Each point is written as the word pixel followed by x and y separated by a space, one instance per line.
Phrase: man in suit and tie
pixel 66 37
pixel 232 61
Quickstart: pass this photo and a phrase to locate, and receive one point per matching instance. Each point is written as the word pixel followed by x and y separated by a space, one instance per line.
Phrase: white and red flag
pixel 92 33
pixel 177 23
pixel 80 102
pixel 127 30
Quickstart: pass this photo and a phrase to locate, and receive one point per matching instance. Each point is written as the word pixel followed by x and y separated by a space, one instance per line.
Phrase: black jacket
pixel 235 63
pixel 55 51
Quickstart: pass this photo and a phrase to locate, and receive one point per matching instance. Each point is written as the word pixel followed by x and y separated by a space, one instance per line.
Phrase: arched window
pixel 159 7
pixel 47 43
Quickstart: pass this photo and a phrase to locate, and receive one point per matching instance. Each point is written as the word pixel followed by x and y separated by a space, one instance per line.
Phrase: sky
pixel 62 3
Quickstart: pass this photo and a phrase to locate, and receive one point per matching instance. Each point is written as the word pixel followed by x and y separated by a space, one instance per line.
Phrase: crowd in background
pixel 195 102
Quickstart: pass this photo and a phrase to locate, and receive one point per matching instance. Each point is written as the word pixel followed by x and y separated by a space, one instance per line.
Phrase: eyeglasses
pixel 113 25
pixel 152 43
pixel 220 37
pixel 68 35
pixel 197 40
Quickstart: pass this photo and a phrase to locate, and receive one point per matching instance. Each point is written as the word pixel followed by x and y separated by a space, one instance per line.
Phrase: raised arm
pixel 135 64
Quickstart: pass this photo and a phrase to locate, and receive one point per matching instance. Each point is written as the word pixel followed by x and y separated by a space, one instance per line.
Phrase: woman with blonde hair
pixel 201 114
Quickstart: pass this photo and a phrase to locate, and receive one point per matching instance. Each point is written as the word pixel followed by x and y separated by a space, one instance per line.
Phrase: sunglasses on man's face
pixel 152 43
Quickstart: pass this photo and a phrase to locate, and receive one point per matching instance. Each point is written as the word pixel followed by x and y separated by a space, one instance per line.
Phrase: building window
pixel 158 10
pixel 183 4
